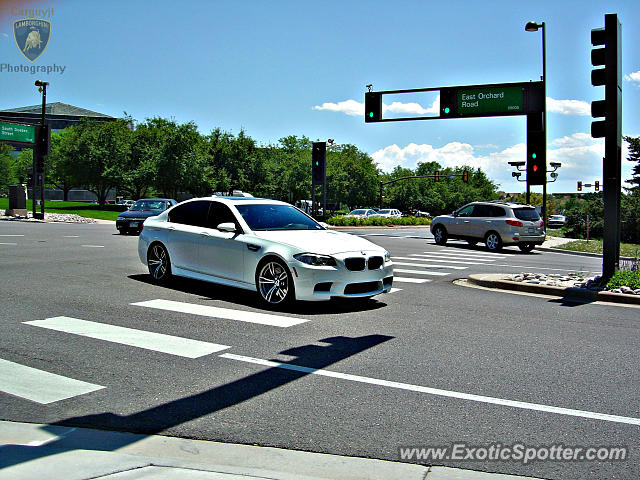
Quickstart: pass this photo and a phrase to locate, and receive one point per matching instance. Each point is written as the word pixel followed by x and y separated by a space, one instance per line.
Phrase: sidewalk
pixel 36 452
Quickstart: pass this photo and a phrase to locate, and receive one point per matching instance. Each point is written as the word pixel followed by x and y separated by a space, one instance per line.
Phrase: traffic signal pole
pixel 611 129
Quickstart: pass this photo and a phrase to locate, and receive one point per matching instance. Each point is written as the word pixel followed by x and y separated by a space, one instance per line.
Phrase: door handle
pixel 204 234
pixel 253 248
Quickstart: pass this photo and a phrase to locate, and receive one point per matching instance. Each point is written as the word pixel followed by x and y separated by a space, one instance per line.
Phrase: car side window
pixel 220 213
pixel 497 211
pixel 191 213
pixel 481 211
pixel 466 211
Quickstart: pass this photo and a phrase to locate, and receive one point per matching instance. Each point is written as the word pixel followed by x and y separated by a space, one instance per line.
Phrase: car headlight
pixel 316 260
pixel 387 256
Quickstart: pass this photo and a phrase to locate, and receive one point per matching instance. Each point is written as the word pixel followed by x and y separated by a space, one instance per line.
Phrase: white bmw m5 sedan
pixel 263 245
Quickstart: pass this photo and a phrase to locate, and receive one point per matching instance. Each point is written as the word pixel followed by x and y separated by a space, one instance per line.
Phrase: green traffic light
pixel 446 109
pixel 370 114
pixel 317 163
pixel 533 155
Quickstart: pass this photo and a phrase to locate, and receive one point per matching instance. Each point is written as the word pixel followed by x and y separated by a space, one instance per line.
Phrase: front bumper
pixel 323 283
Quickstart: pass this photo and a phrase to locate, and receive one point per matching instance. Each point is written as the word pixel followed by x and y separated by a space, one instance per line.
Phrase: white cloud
pixel 355 108
pixel 568 107
pixel 349 107
pixel 634 77
pixel 579 154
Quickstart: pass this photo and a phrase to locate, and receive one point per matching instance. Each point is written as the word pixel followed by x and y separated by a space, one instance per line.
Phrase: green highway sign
pixel 490 100
pixel 15 132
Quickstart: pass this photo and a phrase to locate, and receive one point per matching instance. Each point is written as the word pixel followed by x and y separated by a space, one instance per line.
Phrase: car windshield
pixel 384 211
pixel 357 212
pixel 149 206
pixel 276 217
pixel 527 214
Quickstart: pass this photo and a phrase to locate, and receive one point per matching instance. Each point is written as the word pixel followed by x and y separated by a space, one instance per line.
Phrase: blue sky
pixel 278 68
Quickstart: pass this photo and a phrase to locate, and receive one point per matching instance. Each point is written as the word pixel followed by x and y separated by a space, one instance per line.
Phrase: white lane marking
pixel 71 236
pixel 414 236
pixel 159 342
pixel 421 272
pixel 11 235
pixel 7 243
pixel 394 290
pixel 427 265
pixel 410 280
pixel 439 392
pixel 470 256
pixel 226 313
pixel 93 246
pixel 40 386
pixel 437 259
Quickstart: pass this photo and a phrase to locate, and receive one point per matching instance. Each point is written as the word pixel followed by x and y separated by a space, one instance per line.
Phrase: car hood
pixel 325 242
pixel 139 214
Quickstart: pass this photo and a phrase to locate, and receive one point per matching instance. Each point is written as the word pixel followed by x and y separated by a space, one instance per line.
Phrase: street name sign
pixel 491 100
pixel 16 132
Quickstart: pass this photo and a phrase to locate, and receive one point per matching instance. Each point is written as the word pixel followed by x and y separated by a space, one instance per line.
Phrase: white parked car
pixel 262 245
pixel 388 213
pixel 361 213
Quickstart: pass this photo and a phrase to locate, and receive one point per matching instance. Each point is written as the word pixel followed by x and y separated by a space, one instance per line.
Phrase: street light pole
pixel 42 86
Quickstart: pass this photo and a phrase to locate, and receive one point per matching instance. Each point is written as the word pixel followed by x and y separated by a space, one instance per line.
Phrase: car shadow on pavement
pixel 216 292
pixel 159 418
pixel 510 249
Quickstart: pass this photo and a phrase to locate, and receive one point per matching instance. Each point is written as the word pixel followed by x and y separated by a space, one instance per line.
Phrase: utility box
pixel 17 201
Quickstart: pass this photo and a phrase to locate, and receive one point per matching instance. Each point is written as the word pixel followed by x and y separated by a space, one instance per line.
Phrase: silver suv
pixel 494 223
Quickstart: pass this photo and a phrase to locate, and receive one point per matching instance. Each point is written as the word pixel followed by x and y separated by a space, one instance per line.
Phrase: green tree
pixel 6 170
pixel 634 156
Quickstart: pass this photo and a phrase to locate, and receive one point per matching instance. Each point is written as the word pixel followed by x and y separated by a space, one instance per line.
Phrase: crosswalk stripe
pixel 421 272
pixel 479 255
pixel 438 260
pixel 40 386
pixel 394 290
pixel 226 313
pixel 409 280
pixel 428 265
pixel 159 342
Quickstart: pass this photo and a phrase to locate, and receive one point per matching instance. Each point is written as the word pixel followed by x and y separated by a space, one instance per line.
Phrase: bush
pixel 622 278
pixel 341 221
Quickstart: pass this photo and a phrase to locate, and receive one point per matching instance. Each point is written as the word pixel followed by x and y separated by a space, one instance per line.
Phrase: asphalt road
pixel 431 364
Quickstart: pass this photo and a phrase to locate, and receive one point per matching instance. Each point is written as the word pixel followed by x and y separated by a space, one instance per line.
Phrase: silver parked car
pixel 494 223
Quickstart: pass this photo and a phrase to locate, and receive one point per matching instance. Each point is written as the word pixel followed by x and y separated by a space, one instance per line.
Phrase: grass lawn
pixel 595 246
pixel 84 209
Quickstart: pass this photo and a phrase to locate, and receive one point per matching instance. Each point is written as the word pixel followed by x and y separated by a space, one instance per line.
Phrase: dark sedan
pixel 131 220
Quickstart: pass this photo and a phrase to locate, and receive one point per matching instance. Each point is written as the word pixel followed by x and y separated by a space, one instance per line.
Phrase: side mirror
pixel 453 214
pixel 227 227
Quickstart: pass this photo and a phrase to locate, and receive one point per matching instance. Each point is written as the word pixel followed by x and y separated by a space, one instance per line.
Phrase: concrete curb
pixel 496 280
pixel 35 451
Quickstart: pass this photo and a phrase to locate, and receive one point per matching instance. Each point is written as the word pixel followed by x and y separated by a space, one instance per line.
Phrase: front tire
pixel 440 235
pixel 274 283
pixel 159 263
pixel 493 242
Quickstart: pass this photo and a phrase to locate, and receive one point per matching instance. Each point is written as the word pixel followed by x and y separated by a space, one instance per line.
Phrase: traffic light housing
pixel 41 149
pixel 596 185
pixel 579 186
pixel 608 56
pixel 436 176
pixel 318 162
pixel 372 107
pixel 448 106
pixel 536 150
pixel 465 176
